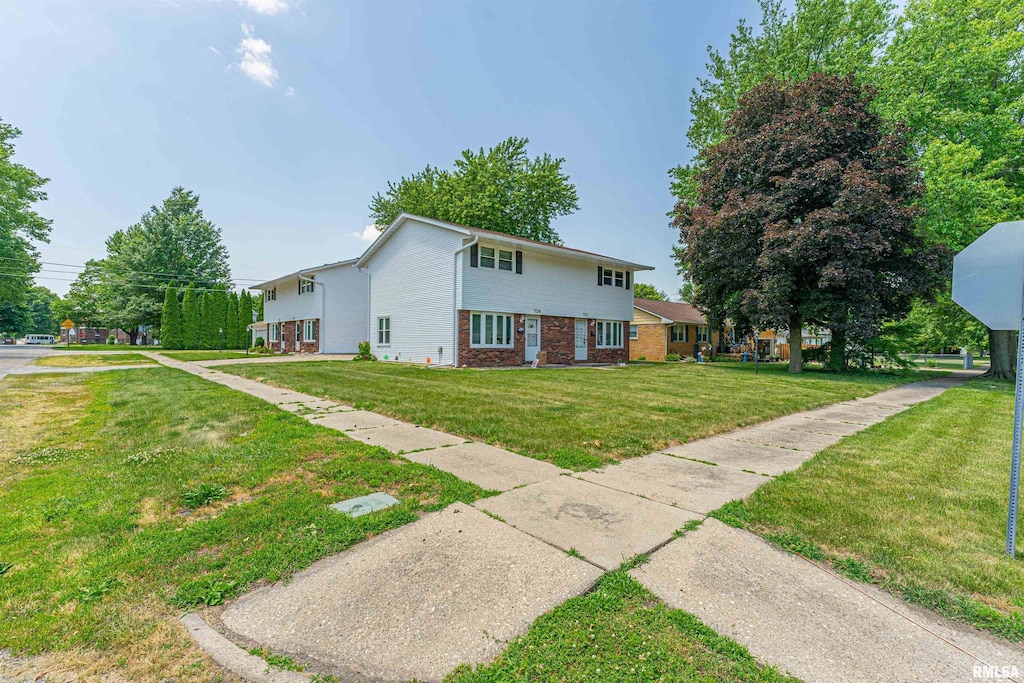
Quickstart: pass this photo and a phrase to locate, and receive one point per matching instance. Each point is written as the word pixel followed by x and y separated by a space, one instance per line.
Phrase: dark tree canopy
pixel 804 214
pixel 502 189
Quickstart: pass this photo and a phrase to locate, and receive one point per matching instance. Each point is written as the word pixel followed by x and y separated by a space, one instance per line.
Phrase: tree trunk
pixel 721 338
pixel 796 341
pixel 837 351
pixel 1002 354
pixel 133 334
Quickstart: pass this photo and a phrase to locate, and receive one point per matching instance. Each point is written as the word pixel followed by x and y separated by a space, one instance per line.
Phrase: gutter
pixel 455 299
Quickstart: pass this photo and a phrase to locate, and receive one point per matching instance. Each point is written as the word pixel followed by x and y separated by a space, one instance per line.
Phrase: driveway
pixel 12 357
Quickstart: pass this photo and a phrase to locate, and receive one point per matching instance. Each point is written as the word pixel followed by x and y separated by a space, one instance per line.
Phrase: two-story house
pixel 317 310
pixel 456 295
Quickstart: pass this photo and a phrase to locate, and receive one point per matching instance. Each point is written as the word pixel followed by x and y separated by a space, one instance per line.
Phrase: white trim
pixel 384 330
pixel 615 333
pixel 526 336
pixel 312 330
pixel 500 320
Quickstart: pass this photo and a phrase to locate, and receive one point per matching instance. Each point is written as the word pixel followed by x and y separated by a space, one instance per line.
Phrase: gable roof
pixel 671 311
pixel 289 276
pixel 495 236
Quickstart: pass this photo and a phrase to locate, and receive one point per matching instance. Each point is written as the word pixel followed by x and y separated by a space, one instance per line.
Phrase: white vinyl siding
pixel 343 320
pixel 609 334
pixel 549 285
pixel 491 330
pixel 412 281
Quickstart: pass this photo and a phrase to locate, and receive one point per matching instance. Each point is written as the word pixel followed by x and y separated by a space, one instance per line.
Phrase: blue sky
pixel 286 116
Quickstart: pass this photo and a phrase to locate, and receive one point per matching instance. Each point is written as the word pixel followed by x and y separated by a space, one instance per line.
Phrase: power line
pixel 183 276
pixel 126 285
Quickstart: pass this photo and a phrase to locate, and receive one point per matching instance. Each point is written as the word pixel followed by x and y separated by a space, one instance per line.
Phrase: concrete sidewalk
pixel 443 590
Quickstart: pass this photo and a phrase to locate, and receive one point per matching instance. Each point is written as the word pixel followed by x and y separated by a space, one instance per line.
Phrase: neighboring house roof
pixel 671 311
pixel 498 237
pixel 272 283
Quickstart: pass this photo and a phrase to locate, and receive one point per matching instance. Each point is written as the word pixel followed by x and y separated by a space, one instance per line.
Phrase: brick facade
pixel 650 342
pixel 557 338
pixel 287 332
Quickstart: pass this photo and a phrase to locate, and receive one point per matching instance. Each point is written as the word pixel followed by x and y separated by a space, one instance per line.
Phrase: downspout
pixel 369 315
pixel 323 309
pixel 455 299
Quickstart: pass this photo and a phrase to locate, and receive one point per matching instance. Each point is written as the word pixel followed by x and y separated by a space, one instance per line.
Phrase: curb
pixel 233 658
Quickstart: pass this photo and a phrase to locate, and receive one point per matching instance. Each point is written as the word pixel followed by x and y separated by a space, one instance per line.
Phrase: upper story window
pixel 305 286
pixel 620 278
pixel 609 334
pixel 496 258
pixel 607 277
pixel 270 294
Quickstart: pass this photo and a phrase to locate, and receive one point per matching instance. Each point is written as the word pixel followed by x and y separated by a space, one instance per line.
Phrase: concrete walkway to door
pixel 455 585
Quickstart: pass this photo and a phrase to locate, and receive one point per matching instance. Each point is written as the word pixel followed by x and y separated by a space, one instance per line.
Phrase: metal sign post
pixel 988 278
pixel 1018 419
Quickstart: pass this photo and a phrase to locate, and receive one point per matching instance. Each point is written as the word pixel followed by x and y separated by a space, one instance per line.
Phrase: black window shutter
pixel 474 255
pixel 628 285
pixel 600 276
pixel 300 287
pixel 519 262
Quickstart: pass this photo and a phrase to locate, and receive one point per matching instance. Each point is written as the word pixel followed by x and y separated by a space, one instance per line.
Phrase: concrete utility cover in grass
pixel 400 438
pixel 352 419
pixel 607 527
pixel 786 438
pixel 741 455
pixel 795 616
pixel 357 507
pixel 486 466
pixel 451 588
pixel 693 486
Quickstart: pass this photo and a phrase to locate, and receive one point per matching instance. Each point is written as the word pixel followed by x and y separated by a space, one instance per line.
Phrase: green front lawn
pixel 916 503
pixel 84 360
pixel 130 497
pixel 213 355
pixel 620 632
pixel 576 418
pixel 101 348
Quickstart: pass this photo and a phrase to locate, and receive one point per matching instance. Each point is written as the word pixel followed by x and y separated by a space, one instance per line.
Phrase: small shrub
pixel 204 494
pixel 672 357
pixel 260 341
pixel 364 352
pixel 205 591
pixel 641 357
pixel 261 349
pixel 111 340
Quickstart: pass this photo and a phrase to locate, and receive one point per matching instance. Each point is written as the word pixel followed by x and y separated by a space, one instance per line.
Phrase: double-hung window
pixel 270 294
pixel 486 257
pixel 384 331
pixel 634 331
pixel 273 332
pixel 309 330
pixel 620 278
pixel 305 286
pixel 608 276
pixel 609 334
pixel 680 333
pixel 504 260
pixel 702 333
pixel 492 330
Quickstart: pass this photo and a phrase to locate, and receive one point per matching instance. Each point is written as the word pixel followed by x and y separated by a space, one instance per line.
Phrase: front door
pixel 581 340
pixel 532 339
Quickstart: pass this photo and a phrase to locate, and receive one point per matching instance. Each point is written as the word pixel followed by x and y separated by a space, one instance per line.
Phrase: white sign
pixel 988 276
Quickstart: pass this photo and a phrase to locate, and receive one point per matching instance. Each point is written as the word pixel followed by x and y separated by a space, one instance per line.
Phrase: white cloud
pixel 213 50
pixel 270 7
pixel 256 62
pixel 369 233
pixel 289 91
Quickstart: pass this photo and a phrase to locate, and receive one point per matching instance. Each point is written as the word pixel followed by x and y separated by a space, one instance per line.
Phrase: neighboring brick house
pixel 93 335
pixel 450 294
pixel 320 309
pixel 663 327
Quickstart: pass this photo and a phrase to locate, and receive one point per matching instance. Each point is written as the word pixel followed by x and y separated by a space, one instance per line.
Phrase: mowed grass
pixel 129 497
pixel 83 360
pixel 619 632
pixel 916 503
pixel 100 348
pixel 212 355
pixel 575 418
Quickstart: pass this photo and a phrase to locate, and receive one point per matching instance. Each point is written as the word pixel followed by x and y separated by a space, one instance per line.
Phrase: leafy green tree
pixel 20 225
pixel 823 232
pixel 207 321
pixel 502 189
pixel 650 292
pixel 687 293
pixel 36 314
pixel 954 73
pixel 231 339
pixel 170 319
pixel 190 320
